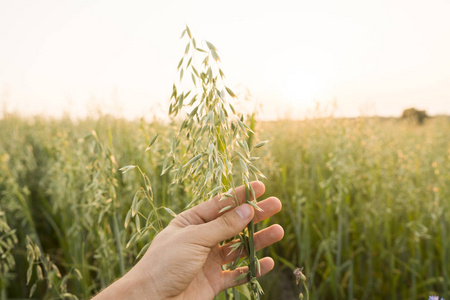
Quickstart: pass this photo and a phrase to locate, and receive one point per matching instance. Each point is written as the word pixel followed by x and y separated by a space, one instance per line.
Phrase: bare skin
pixel 184 260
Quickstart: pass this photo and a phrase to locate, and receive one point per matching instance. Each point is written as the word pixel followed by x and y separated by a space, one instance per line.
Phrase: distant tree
pixel 415 115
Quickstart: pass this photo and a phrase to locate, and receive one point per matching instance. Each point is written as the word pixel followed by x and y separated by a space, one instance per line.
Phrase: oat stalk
pixel 211 155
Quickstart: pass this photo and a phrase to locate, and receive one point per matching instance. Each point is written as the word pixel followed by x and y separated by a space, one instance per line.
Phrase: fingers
pixel 209 210
pixel 270 206
pixel 224 227
pixel 229 277
pixel 230 224
pixel 263 238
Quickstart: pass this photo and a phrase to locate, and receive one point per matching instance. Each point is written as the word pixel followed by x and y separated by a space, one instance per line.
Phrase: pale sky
pixel 376 57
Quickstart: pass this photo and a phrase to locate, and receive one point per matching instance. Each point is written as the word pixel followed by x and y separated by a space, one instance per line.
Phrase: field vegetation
pixel 366 204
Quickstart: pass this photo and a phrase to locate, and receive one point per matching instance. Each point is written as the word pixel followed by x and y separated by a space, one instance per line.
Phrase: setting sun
pixel 300 88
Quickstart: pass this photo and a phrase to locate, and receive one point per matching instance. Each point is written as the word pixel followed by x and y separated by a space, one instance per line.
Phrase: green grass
pixel 366 204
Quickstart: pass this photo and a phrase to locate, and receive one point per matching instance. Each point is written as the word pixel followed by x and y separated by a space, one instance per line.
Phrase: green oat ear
pixel 212 153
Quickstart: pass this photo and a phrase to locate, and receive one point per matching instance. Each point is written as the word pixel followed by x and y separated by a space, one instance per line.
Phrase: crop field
pixel 366 204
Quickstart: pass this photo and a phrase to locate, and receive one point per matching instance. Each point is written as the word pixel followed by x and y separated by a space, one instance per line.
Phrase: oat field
pixel 366 205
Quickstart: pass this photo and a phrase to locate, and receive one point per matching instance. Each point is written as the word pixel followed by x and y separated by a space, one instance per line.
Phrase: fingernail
pixel 244 211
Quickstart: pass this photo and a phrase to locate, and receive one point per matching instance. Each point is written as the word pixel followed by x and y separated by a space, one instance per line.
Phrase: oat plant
pixel 211 154
pixel 8 240
pixel 300 277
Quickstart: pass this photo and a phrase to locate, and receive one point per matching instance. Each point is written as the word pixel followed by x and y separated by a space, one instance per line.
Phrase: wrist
pixel 127 287
pixel 139 286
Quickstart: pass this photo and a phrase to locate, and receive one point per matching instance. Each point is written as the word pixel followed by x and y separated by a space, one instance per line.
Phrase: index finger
pixel 209 210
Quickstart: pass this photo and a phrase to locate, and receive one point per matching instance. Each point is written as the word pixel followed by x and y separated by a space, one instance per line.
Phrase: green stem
pixel 251 251
pixel 306 290
pixel 115 227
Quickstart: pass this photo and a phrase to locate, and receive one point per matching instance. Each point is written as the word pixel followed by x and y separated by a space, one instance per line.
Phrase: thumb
pixel 226 226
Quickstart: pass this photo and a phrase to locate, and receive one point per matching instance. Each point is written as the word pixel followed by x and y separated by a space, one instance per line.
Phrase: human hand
pixel 185 259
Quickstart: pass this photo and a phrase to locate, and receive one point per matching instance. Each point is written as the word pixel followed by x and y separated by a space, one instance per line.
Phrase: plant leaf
pixel 143 250
pixel 225 208
pixel 260 144
pixel 255 206
pixel 230 92
pixel 194 159
pixel 151 142
pixel 240 277
pixel 211 46
pixel 182 34
pixel 188 32
pixel 127 219
pixel 127 168
pixel 170 211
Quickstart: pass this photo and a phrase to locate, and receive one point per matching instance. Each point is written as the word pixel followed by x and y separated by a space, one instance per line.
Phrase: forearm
pixel 127 287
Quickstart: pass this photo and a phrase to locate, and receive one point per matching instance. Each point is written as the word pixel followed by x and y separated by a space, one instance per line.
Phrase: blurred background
pixel 354 97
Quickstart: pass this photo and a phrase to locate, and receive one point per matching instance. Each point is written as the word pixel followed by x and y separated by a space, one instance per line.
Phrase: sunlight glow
pixel 66 56
pixel 300 88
